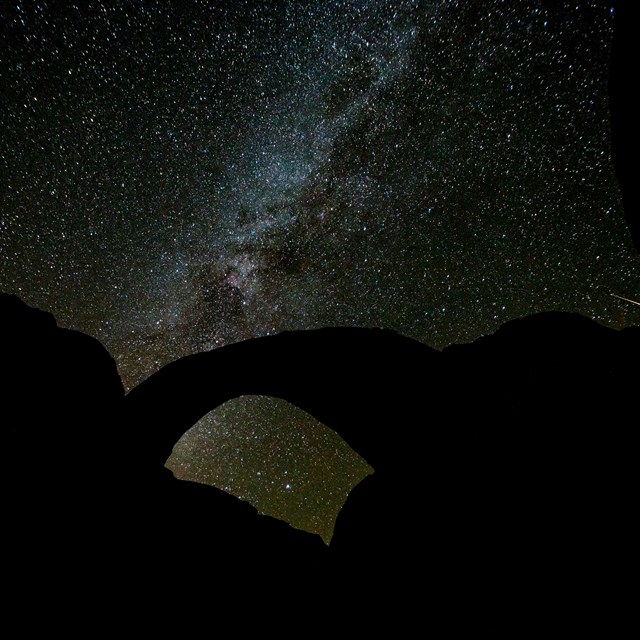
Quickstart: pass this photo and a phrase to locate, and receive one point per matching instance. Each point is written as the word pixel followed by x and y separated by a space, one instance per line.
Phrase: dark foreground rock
pixel 502 497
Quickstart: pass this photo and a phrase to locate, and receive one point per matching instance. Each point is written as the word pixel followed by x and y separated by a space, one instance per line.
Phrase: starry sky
pixel 179 176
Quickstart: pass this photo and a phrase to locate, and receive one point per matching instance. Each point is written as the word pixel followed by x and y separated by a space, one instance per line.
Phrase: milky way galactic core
pixel 177 178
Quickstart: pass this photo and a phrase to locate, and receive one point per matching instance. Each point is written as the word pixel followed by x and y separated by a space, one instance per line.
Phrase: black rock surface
pixel 502 497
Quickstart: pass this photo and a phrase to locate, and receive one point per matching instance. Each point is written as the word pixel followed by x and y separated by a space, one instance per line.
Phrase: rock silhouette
pixel 503 496
pixel 81 509
pixel 504 469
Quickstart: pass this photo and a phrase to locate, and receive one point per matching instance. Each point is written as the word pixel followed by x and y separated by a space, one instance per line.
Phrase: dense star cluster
pixel 180 176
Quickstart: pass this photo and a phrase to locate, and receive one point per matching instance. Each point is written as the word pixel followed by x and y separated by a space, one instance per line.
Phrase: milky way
pixel 178 179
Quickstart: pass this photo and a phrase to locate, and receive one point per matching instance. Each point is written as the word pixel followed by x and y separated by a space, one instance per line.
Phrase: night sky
pixel 179 176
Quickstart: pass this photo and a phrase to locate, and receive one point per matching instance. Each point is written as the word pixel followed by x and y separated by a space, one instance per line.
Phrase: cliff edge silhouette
pixel 504 469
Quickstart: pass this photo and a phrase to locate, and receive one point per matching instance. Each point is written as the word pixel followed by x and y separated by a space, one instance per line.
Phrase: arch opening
pixel 274 455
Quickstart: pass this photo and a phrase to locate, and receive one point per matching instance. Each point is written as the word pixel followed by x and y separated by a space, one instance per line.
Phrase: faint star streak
pixel 626 299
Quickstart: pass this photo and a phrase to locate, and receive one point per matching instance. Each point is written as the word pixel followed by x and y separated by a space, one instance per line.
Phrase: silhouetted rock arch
pixel 499 465
pixel 356 381
pixel 504 484
pixel 76 501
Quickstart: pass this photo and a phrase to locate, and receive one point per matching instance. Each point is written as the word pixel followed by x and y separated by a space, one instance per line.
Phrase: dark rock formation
pixel 502 500
pixel 77 504
pixel 502 494
pixel 353 380
pixel 503 468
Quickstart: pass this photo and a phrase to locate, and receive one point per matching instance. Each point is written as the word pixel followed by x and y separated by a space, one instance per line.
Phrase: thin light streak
pixel 626 299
